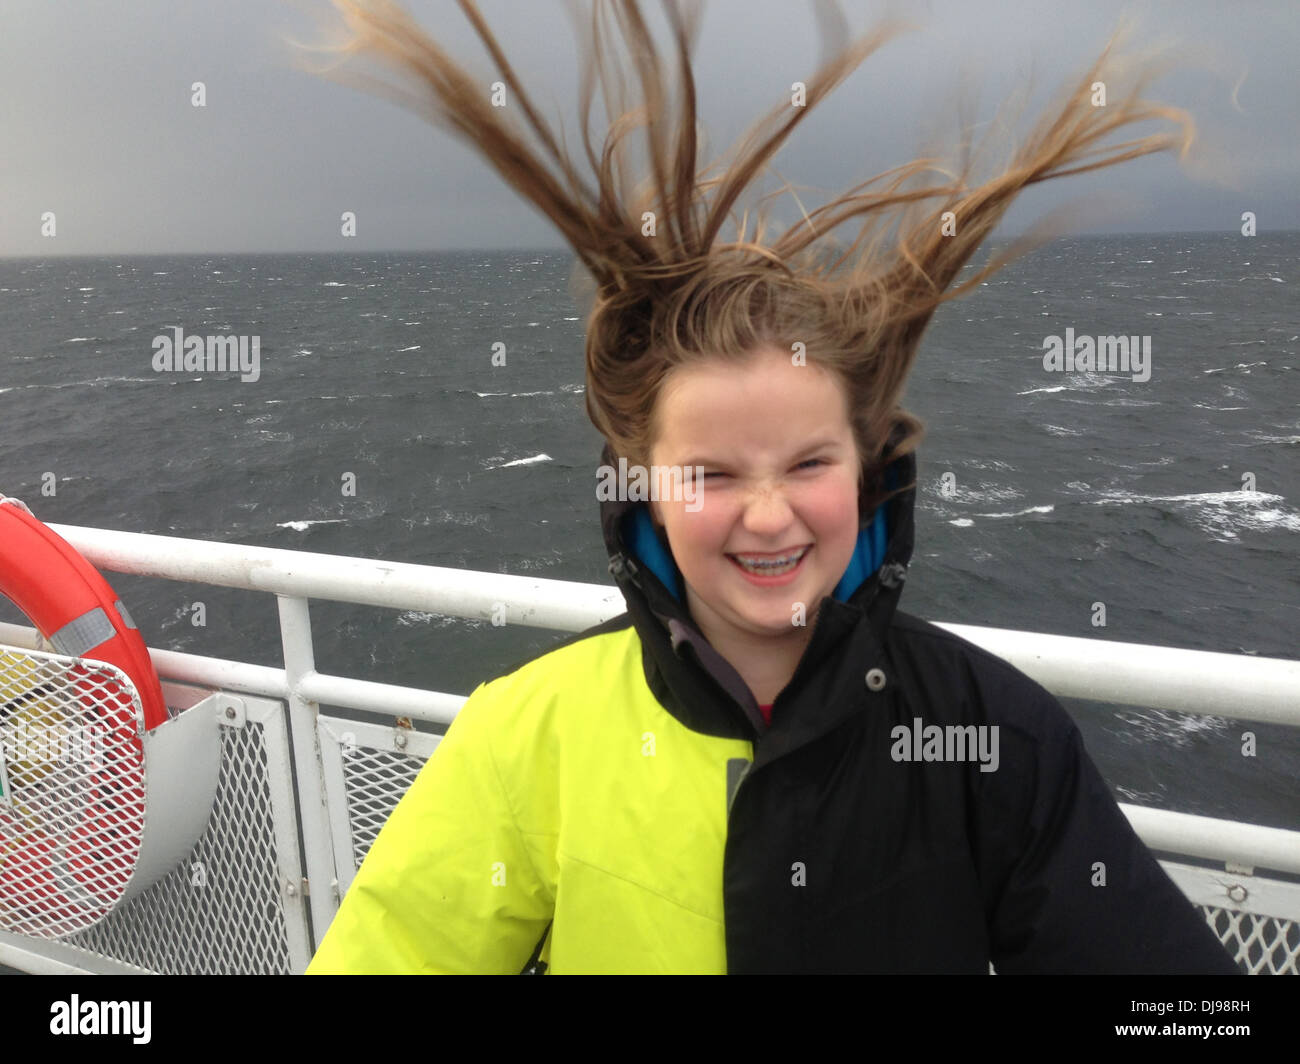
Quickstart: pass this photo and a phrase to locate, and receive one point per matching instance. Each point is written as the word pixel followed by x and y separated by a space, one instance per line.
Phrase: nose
pixel 766 512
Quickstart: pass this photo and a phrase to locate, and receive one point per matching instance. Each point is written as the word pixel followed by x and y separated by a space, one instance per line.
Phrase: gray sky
pixel 97 125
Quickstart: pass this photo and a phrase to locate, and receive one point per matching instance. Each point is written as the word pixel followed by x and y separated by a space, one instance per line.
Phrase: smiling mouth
pixel 771 564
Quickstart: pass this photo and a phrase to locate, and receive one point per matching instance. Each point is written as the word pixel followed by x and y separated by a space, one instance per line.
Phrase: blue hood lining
pixel 868 553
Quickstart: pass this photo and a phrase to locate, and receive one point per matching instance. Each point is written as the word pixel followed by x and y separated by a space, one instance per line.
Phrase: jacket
pixel 619 802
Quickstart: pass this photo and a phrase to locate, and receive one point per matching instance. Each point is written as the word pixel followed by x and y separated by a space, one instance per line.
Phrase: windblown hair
pixel 666 291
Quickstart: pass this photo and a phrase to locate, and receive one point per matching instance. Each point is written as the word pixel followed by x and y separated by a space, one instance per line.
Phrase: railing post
pixel 299 662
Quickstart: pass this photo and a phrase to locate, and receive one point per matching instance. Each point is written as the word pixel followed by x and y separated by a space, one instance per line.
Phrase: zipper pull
pixel 893 574
pixel 622 567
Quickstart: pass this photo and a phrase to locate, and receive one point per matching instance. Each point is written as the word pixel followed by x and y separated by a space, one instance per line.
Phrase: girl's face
pixel 780 475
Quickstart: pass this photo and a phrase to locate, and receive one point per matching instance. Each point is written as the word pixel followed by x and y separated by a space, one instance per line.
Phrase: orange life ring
pixel 58 875
pixel 72 605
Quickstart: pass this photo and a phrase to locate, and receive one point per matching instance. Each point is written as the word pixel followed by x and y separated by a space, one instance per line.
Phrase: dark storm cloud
pixel 98 125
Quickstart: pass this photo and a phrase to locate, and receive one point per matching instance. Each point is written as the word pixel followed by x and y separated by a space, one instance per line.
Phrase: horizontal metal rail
pixel 1202 836
pixel 530 601
pixel 1234 686
pixel 322 688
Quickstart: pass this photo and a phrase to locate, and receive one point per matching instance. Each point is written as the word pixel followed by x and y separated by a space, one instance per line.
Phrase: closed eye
pixel 801 465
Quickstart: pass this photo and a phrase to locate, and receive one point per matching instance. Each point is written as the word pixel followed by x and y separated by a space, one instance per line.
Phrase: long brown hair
pixel 667 291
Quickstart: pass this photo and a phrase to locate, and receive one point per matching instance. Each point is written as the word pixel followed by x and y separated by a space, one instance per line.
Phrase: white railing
pixel 1261 689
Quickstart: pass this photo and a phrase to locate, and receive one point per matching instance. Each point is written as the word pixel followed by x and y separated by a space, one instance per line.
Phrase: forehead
pixel 763 401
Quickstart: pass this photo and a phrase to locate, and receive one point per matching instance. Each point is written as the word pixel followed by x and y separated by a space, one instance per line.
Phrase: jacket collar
pixel 703 690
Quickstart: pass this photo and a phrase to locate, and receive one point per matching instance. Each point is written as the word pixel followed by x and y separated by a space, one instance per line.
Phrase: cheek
pixel 833 505
pixel 699 534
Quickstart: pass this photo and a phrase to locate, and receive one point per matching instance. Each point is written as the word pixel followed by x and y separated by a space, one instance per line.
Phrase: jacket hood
pixel 641 562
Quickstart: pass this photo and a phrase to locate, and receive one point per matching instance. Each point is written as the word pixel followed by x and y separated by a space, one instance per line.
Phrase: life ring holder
pixel 93 769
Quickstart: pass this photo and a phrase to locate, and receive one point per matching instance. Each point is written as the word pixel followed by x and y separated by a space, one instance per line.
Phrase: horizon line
pixel 544 248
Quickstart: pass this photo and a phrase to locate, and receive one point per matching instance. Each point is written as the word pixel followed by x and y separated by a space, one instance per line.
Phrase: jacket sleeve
pixel 448 885
pixel 1074 888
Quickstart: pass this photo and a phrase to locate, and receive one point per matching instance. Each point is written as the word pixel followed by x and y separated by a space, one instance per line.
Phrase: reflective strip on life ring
pixel 83 633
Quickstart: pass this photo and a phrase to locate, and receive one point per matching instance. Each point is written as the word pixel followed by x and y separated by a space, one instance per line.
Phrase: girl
pixel 762 765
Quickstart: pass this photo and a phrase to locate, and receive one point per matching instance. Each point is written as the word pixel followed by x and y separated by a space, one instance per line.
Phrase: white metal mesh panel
pixel 1257 918
pixel 376 781
pixel 1263 945
pixel 72 791
pixel 222 912
pixel 235 904
pixel 368 767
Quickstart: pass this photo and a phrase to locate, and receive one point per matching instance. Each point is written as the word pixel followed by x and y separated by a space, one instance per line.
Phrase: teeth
pixel 772 566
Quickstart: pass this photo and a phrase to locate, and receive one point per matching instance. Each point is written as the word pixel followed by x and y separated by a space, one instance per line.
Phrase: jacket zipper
pixel 745 773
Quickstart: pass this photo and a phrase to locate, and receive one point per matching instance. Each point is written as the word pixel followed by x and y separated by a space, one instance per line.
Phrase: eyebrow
pixel 803 451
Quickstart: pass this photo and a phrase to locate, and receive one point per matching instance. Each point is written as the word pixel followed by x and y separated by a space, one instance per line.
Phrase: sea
pixel 379 426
